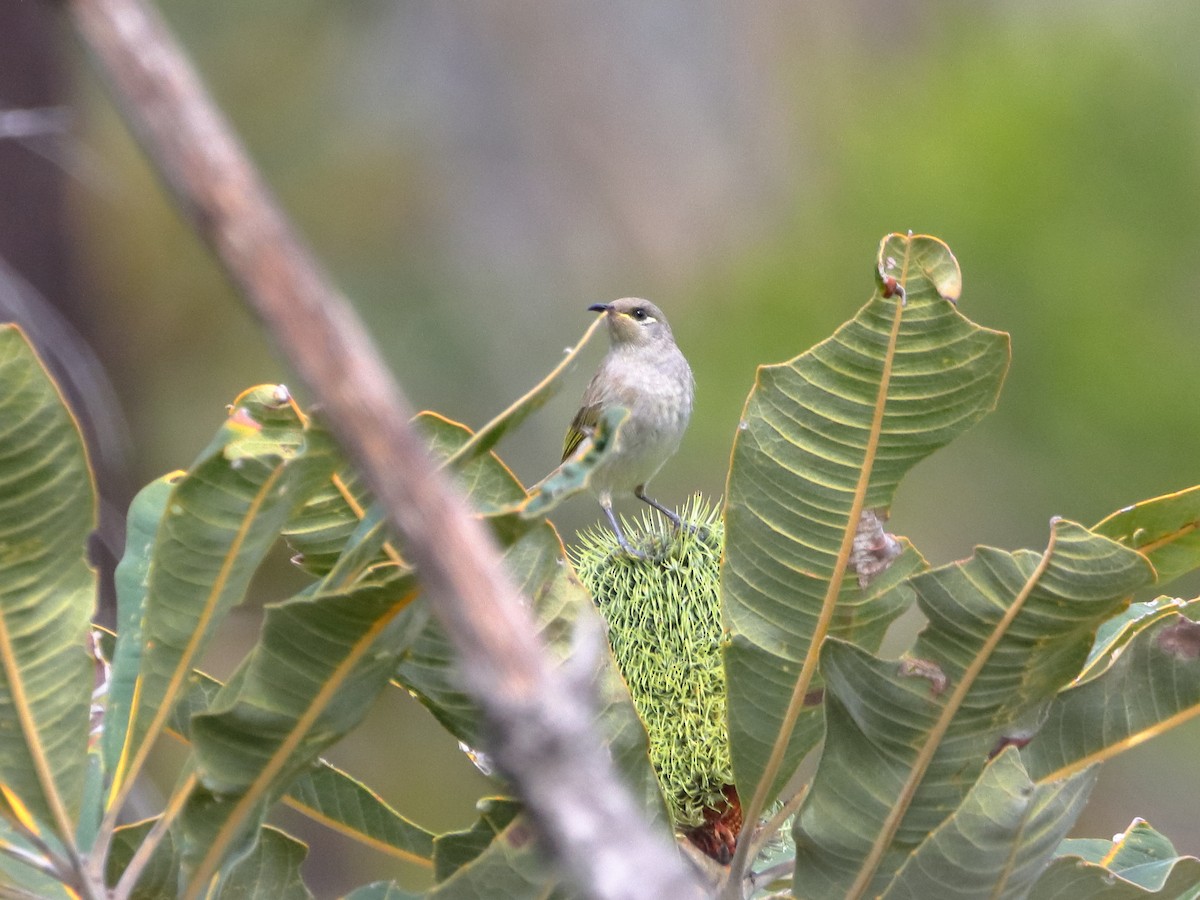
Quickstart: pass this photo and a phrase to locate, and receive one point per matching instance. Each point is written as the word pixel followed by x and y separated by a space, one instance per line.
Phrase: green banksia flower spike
pixel 664 625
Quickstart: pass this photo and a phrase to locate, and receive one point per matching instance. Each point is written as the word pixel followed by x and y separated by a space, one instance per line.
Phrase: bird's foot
pixel 620 535
pixel 630 550
pixel 673 517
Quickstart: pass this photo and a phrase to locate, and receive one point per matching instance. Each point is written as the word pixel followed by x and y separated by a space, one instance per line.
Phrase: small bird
pixel 645 373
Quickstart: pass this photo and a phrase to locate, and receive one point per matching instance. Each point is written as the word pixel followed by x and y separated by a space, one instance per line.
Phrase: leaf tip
pixel 904 257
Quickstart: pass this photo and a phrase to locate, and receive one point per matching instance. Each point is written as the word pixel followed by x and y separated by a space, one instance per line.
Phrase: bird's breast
pixel 657 389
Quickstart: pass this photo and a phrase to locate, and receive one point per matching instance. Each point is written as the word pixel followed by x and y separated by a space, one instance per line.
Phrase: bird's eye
pixel 638 313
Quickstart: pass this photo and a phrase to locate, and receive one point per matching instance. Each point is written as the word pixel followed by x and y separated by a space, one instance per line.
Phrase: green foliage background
pixel 475 177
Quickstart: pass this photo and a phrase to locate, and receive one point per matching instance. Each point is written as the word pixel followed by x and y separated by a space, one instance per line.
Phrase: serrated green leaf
pixel 320 663
pixel 329 530
pixel 202 690
pixel 865 618
pixel 1071 878
pixel 488 484
pixel 159 877
pixel 364 550
pixel 428 668
pixel 510 867
pixel 47 592
pixel 427 671
pixel 319 529
pixel 456 849
pixel 271 870
pixel 763 677
pixel 337 800
pixel 1165 529
pixel 997 842
pixel 1006 632
pixel 822 438
pixel 1139 848
pixel 323 530
pixel 1139 865
pixel 325 793
pixel 1120 629
pixel 1151 686
pixel 219 522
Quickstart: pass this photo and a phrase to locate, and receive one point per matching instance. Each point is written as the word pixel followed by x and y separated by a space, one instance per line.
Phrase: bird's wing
pixel 583 425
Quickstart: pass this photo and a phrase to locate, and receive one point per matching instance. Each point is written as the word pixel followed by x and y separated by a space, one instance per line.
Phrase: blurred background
pixel 475 175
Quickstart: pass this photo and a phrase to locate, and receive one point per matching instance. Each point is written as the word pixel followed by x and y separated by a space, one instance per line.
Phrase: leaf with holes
pixel 497 857
pixel 824 438
pixel 1150 686
pixel 272 870
pixel 1006 632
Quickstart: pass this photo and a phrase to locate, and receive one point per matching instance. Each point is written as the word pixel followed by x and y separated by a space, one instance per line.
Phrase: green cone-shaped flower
pixel 664 625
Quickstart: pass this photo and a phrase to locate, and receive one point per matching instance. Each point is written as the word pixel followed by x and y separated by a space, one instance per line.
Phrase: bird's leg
pixel 640 493
pixel 612 520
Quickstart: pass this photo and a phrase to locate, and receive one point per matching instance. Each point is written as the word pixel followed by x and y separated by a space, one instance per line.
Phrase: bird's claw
pixel 635 554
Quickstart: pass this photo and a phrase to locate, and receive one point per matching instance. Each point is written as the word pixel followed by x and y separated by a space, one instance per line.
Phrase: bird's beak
pixel 600 307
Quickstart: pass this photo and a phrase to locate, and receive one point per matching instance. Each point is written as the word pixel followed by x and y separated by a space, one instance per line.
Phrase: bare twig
pixel 542 733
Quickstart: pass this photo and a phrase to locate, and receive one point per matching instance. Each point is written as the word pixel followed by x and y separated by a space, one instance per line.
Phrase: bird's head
pixel 634 322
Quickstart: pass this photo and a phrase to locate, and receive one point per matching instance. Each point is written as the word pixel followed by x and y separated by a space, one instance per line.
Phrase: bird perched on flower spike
pixel 645 373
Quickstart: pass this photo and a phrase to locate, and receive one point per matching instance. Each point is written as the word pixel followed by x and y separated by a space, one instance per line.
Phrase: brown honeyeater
pixel 644 372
